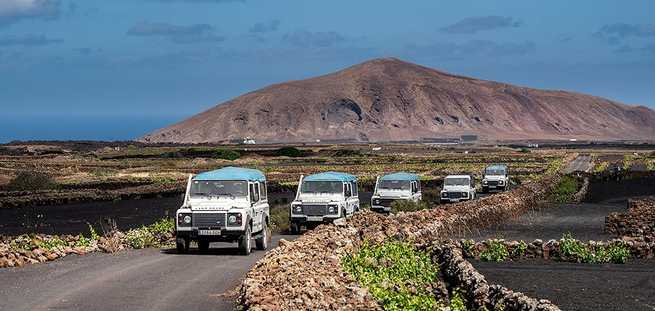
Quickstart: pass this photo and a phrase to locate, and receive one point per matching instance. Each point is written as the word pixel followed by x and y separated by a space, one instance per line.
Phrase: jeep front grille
pixel 208 220
pixel 314 210
pixel 492 183
pixel 455 195
pixel 386 202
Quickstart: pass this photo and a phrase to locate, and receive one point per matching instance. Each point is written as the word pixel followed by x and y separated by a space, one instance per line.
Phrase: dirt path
pixel 149 279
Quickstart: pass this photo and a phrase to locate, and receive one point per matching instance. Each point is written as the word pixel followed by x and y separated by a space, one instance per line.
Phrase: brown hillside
pixel 392 100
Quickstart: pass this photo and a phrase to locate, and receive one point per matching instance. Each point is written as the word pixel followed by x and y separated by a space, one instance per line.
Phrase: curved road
pixel 150 279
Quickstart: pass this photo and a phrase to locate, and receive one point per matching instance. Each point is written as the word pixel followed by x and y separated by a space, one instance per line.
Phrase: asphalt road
pixel 150 279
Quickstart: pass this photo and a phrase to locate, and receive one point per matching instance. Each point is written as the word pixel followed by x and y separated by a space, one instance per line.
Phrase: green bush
pixel 82 241
pixel 279 219
pixel 520 250
pixel 226 154
pixel 398 275
pixel 292 152
pixel 408 206
pixel 618 253
pixel 496 251
pixel 140 238
pixel 525 150
pixel 163 226
pixel 457 301
pixel 31 181
pixel 565 190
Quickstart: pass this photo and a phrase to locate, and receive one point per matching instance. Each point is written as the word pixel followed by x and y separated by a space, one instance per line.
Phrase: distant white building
pixel 249 141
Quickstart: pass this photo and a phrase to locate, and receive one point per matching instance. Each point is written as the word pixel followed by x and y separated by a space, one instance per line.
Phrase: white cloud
pixel 12 11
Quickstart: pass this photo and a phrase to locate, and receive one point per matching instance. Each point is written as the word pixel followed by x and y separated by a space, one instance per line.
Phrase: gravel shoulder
pixel 150 279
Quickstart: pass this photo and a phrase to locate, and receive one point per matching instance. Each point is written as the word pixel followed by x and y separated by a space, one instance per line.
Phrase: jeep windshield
pixel 394 185
pixel 456 182
pixel 219 188
pixel 322 187
pixel 495 171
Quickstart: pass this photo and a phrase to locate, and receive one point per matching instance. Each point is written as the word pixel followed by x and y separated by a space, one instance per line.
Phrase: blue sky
pixel 98 69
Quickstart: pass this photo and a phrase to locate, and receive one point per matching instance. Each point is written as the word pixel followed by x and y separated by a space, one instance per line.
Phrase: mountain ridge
pixel 392 100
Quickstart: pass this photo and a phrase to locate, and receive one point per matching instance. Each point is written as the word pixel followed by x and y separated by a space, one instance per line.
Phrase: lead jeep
pixel 458 188
pixel 323 198
pixel 496 177
pixel 395 187
pixel 225 205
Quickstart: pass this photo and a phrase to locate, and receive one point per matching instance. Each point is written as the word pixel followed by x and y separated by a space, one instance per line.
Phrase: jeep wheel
pixel 261 242
pixel 244 242
pixel 294 228
pixel 182 245
pixel 203 246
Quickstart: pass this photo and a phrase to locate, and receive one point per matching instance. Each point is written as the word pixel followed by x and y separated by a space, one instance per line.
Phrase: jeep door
pixel 258 206
pixel 416 191
pixel 353 200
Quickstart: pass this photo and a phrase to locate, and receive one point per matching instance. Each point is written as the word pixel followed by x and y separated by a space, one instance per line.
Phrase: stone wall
pixel 638 222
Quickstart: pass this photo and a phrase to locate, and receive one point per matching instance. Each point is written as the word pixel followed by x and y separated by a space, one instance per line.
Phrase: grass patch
pixel 565 189
pixel 226 154
pixel 408 206
pixel 398 275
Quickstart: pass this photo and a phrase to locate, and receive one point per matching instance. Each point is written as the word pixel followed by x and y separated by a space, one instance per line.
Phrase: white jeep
pixel 225 205
pixel 458 188
pixel 496 177
pixel 395 187
pixel 323 198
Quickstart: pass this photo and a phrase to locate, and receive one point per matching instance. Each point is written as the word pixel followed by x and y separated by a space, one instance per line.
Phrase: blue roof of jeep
pixel 232 173
pixel 331 176
pixel 400 176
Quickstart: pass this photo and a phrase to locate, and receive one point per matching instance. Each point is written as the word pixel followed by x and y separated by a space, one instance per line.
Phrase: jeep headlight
pixel 444 194
pixel 465 194
pixel 333 209
pixel 484 181
pixel 376 201
pixel 184 220
pixel 500 182
pixel 234 219
pixel 297 209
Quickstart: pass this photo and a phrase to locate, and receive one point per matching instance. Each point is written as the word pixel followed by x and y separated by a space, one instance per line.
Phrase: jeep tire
pixel 262 241
pixel 245 241
pixel 182 245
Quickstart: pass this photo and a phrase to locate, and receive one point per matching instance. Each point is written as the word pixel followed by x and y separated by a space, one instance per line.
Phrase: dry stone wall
pixel 638 222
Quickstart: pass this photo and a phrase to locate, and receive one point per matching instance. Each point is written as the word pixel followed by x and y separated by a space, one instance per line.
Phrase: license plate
pixel 209 232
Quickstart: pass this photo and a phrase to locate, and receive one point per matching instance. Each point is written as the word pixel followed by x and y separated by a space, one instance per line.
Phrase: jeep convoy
pixel 231 204
pixel 323 198
pixel 226 205
pixel 395 187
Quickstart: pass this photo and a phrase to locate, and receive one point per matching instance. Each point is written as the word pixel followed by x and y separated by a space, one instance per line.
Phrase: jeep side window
pixel 348 192
pixel 254 194
pixel 414 189
pixel 355 191
pixel 263 192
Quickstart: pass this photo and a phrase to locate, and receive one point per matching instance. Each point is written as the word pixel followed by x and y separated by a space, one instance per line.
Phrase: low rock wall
pixel 638 222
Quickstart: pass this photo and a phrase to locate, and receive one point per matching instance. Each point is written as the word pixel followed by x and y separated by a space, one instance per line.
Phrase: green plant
pixel 51 244
pixel 31 181
pixel 457 301
pixel 140 238
pixel 520 250
pixel 279 218
pixel 163 226
pixel 574 249
pixel 565 189
pixel 496 251
pixel 408 206
pixel 226 154
pixel 82 241
pixel 618 253
pixel 93 233
pixel 398 275
pixel 525 150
